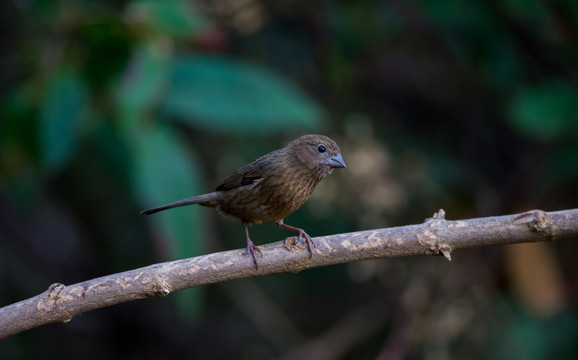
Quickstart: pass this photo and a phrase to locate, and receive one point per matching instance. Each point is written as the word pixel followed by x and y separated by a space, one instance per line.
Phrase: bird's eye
pixel 321 148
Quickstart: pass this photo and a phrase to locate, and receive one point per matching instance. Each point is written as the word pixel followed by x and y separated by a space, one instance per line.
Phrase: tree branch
pixel 436 236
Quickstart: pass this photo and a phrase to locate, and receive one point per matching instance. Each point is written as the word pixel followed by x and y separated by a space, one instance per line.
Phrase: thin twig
pixel 436 236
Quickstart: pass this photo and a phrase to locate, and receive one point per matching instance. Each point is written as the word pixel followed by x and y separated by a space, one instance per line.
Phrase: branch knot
pixel 50 300
pixel 161 287
pixel 537 221
pixel 431 240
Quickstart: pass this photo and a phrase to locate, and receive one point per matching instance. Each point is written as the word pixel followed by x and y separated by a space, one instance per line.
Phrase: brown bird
pixel 272 186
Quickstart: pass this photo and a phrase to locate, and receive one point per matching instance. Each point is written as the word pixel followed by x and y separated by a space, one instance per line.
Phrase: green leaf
pixel 170 17
pixel 143 79
pixel 221 94
pixel 60 120
pixel 165 171
pixel 112 152
pixel 545 112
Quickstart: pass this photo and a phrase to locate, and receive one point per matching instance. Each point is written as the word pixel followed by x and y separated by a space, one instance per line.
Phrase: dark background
pixel 109 107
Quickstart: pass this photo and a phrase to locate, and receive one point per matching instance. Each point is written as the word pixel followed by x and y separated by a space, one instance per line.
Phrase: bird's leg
pixel 251 248
pixel 301 234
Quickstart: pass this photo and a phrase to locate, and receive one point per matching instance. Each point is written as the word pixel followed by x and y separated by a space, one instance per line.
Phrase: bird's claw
pixel 252 249
pixel 310 244
pixel 301 234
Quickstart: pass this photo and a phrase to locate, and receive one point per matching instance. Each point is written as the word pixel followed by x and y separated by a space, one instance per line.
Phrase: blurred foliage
pixel 109 107
pixel 230 94
pixel 547 111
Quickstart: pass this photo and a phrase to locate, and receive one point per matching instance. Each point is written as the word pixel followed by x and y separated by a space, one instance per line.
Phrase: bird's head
pixel 317 153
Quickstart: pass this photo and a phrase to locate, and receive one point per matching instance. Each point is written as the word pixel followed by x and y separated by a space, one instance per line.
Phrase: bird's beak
pixel 336 162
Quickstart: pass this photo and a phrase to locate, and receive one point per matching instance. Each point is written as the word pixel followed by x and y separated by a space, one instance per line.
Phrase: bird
pixel 272 187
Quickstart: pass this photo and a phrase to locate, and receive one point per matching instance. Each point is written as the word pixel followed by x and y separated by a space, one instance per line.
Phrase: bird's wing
pixel 247 175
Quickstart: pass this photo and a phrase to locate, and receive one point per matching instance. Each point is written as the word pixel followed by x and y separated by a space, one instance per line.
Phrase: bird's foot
pixel 252 249
pixel 301 234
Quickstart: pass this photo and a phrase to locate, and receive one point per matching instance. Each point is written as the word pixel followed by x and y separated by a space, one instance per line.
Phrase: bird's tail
pixel 209 199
